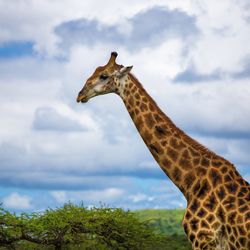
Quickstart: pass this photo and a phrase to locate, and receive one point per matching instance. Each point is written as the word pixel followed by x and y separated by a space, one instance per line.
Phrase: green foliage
pixel 75 227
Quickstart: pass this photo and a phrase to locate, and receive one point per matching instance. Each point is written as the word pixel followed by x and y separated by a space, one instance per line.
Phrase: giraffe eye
pixel 104 77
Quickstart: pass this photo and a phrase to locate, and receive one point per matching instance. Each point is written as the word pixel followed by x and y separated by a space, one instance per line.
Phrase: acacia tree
pixel 74 226
pixel 9 228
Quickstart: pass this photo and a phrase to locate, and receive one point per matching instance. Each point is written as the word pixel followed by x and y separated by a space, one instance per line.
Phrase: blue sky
pixel 192 57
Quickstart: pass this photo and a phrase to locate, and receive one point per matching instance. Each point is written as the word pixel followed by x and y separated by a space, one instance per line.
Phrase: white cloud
pixel 59 196
pixel 89 196
pixel 17 201
pixel 210 107
pixel 178 203
pixel 161 62
pixel 223 34
pixel 37 19
pixel 47 118
pixel 105 195
pixel 139 197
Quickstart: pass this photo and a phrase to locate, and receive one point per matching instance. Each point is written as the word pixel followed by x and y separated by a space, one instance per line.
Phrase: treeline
pixel 75 227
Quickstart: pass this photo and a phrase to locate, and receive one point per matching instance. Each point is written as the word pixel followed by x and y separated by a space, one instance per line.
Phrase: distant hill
pixel 166 223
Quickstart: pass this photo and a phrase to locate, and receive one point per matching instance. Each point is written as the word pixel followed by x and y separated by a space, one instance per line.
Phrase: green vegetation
pixel 75 227
pixel 167 222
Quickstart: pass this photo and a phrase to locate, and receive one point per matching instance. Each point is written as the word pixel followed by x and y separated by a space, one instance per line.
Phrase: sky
pixel 193 58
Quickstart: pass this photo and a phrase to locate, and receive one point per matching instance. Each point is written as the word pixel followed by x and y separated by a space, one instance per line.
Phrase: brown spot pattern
pixel 173 154
pixel 149 120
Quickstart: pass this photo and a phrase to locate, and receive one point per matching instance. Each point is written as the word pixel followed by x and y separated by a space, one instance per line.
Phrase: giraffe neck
pixel 179 156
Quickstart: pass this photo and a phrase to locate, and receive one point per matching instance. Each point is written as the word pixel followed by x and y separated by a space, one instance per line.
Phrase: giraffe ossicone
pixel 218 198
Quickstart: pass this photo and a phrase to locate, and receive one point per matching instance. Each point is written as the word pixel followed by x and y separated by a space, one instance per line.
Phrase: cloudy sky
pixel 192 56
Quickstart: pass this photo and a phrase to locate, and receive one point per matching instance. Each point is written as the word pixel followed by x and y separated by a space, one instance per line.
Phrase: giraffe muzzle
pixel 82 99
pixel 83 96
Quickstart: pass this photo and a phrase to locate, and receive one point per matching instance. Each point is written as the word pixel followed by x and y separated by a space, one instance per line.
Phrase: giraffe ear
pixel 124 70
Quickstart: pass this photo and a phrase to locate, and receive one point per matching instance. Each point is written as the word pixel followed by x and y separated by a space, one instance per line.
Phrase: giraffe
pixel 218 198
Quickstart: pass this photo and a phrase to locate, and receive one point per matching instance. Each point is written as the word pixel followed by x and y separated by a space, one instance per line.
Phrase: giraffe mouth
pixel 82 99
pixel 82 96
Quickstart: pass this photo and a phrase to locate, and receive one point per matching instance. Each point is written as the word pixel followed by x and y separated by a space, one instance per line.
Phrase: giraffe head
pixel 105 79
